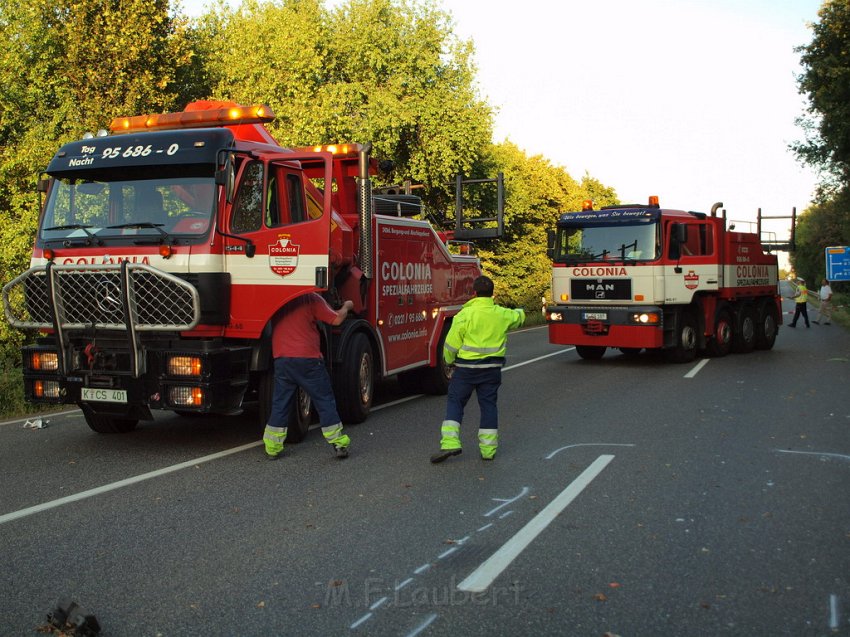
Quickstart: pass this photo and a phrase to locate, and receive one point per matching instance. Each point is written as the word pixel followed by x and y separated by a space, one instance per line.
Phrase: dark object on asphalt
pixel 73 619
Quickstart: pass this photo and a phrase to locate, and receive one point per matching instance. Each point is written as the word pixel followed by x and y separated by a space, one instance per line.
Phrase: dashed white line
pixel 483 576
pixel 446 553
pixel 428 621
pixel 379 603
pixel 398 587
pixel 843 456
pixel 833 612
pixel 696 368
pixel 360 621
pixel 422 569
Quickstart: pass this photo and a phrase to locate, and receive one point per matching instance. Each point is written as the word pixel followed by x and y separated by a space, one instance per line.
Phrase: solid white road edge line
pixel 82 495
pixel 483 576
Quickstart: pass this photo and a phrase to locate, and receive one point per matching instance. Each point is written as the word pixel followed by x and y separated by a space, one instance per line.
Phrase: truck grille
pixel 85 296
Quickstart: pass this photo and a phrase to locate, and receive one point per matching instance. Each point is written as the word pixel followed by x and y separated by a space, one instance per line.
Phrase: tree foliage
pixel 826 82
pixel 824 224
pixel 386 71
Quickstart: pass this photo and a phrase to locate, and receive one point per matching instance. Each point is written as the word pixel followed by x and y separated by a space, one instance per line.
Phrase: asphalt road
pixel 629 497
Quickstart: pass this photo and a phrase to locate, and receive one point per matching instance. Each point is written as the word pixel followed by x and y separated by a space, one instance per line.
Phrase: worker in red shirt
pixel 298 362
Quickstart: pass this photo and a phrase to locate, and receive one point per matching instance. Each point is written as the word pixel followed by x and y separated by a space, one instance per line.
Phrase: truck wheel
pixel 744 339
pixel 767 326
pixel 591 352
pixel 354 380
pixel 685 348
pixel 106 424
pixel 721 343
pixel 435 380
pixel 299 417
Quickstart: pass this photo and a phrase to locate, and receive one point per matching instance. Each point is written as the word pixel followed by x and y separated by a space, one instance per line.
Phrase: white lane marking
pixel 423 625
pixel 590 444
pixel 446 553
pixel 505 503
pixel 360 621
pixel 843 456
pixel 534 360
pixel 422 569
pixel 833 612
pixel 82 495
pixel 696 368
pixel 398 587
pixel 379 603
pixel 483 576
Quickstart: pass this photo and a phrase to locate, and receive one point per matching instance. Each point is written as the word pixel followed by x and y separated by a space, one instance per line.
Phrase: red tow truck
pixel 165 249
pixel 640 277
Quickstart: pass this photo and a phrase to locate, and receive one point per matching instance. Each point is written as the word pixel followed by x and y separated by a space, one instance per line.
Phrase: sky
pixel 694 101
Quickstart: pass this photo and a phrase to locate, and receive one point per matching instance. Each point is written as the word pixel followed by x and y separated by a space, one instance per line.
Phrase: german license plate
pixel 93 394
pixel 596 316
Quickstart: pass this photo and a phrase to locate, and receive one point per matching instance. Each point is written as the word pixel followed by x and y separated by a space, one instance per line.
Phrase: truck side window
pixel 248 206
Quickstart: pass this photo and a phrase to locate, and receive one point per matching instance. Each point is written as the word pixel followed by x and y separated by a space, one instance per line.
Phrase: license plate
pixel 93 394
pixel 596 316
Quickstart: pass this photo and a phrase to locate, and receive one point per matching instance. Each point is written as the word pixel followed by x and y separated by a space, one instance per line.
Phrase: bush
pixel 12 403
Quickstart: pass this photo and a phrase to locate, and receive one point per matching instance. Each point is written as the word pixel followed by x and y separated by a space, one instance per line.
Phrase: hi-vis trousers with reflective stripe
pixel 274 437
pixel 488 439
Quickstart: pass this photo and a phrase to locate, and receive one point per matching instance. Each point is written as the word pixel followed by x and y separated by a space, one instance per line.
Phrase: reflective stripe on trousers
pixel 273 439
pixel 333 434
pixel 488 442
pixel 450 435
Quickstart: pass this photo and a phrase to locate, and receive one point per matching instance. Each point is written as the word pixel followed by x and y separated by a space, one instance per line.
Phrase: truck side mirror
pixel 225 174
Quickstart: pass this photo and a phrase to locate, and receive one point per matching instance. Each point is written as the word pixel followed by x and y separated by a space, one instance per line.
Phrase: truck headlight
pixel 184 366
pixel 45 389
pixel 555 316
pixel 645 318
pixel 44 361
pixel 186 396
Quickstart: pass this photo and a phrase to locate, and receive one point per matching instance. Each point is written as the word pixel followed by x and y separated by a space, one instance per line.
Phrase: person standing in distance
pixel 825 295
pixel 476 345
pixel 298 362
pixel 800 298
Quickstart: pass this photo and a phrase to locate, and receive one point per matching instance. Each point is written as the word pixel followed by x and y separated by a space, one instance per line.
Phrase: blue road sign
pixel 838 263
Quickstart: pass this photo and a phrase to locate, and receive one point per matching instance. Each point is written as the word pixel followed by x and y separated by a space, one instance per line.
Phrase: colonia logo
pixel 397 271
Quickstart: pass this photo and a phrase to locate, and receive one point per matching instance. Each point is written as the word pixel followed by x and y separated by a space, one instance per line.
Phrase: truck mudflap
pixel 636 327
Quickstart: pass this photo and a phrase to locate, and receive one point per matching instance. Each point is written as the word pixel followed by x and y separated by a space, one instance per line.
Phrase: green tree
pixel 826 83
pixel 385 71
pixel 824 224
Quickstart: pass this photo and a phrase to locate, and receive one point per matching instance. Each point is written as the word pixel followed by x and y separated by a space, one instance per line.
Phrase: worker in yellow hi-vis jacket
pixel 476 345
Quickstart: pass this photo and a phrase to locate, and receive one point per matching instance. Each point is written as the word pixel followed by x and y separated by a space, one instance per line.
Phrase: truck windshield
pixel 607 242
pixel 137 210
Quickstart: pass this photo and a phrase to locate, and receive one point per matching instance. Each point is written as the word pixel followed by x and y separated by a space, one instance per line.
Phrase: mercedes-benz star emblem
pixel 109 296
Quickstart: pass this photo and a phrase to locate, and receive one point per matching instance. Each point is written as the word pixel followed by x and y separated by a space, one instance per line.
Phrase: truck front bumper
pixel 639 326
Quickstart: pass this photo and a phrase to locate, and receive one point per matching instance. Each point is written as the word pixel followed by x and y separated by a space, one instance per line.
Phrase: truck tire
pixel 429 380
pixel 354 380
pixel 724 329
pixel 591 352
pixel 107 424
pixel 300 415
pixel 684 348
pixel 767 326
pixel 744 339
